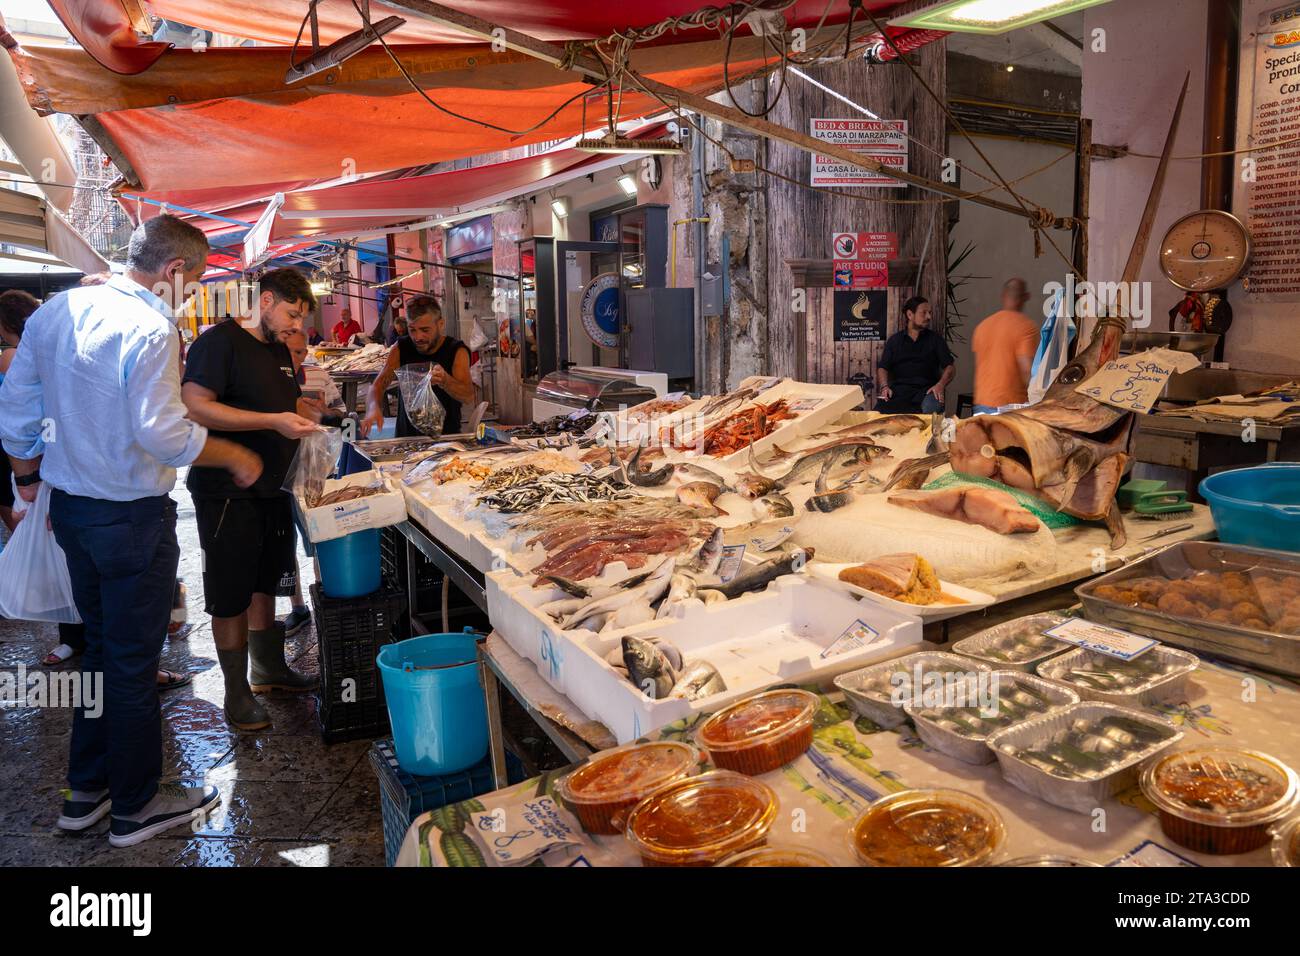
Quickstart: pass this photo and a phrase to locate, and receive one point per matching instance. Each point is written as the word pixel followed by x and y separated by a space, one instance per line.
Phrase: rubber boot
pixel 243 712
pixel 270 672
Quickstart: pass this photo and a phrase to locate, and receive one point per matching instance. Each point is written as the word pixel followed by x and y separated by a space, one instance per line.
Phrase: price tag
pixel 772 541
pixel 857 635
pixel 729 567
pixel 1148 853
pixel 517 834
pixel 801 405
pixel 1098 637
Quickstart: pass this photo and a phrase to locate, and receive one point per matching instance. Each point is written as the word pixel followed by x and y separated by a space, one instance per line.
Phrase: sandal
pixel 61 654
pixel 170 680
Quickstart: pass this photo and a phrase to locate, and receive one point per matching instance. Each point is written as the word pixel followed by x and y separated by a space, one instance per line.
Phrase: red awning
pixel 362 207
pixel 105 30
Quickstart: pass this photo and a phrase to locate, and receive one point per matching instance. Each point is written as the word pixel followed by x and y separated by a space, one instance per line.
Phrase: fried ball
pixel 1246 609
pixel 1289 624
pixel 1254 624
pixel 1177 605
pixel 1221 616
pixel 1107 592
pixel 1148 590
pixel 1235 579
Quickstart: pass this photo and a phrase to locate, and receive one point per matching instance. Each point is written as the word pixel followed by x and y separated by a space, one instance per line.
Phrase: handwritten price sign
pixel 1134 382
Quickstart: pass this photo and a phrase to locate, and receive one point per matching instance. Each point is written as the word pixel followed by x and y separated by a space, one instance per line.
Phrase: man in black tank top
pixel 426 342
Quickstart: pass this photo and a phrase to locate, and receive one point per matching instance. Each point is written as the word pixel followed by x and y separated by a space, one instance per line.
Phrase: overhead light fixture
pixel 988 16
pixel 1010 68
pixel 560 206
pixel 613 143
pixel 344 48
pixel 319 289
pixel 627 183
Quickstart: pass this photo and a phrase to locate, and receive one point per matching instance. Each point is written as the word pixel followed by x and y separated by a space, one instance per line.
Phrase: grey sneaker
pixel 82 808
pixel 172 806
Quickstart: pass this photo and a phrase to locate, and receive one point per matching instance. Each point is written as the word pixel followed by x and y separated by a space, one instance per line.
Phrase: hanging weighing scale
pixel 1203 253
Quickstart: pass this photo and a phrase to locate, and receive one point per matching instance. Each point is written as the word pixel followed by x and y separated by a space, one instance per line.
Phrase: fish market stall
pixel 993 796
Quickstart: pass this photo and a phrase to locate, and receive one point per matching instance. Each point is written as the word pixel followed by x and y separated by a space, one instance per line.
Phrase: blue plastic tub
pixel 1258 507
pixel 349 566
pixel 435 703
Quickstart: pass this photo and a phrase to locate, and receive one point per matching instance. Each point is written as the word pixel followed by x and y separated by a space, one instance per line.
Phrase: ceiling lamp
pixel 988 16
pixel 627 183
pixel 560 206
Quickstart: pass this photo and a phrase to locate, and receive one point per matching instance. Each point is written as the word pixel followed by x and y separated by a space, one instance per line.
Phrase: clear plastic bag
pixel 34 580
pixel 316 459
pixel 422 406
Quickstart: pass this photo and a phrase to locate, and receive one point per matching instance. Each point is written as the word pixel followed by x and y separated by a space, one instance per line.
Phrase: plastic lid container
pixel 1048 859
pixel 760 733
pixel 602 790
pixel 777 856
pixel 701 820
pixel 928 828
pixel 1286 844
pixel 1220 800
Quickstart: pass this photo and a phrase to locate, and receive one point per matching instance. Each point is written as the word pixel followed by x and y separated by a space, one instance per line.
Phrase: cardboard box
pixel 327 522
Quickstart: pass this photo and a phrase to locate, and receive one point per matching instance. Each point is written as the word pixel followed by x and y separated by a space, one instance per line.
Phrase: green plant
pixel 952 329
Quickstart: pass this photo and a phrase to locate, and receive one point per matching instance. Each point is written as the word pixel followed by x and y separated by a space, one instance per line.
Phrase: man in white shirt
pixel 91 406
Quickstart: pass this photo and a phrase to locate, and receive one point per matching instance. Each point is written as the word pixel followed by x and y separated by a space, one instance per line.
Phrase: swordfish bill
pixel 1070 450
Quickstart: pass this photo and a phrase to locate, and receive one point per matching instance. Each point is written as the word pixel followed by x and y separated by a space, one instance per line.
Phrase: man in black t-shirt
pixel 916 366
pixel 239 382
pixel 425 343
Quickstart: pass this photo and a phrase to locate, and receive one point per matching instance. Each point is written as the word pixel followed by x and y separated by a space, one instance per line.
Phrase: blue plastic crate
pixel 403 796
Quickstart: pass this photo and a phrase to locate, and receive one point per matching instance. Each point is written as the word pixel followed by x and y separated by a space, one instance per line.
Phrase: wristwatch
pixel 22 481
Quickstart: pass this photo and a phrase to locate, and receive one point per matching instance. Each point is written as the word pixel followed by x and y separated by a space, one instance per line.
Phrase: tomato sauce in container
pixel 1286 844
pixel 760 733
pixel 602 791
pixel 928 828
pixel 701 820
pixel 777 856
pixel 1219 800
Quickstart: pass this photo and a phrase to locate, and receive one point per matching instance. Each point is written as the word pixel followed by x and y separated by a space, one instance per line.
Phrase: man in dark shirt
pixel 239 382
pixel 916 366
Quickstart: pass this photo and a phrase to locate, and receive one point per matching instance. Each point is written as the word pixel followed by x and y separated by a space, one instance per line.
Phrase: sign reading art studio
pixel 1273 200
pixel 860 260
pixel 885 141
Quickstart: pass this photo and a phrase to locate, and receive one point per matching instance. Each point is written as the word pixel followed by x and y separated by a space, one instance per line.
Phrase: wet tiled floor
pixel 288 799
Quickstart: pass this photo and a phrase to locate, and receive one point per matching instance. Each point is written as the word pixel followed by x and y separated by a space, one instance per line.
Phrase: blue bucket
pixel 1258 507
pixel 435 703
pixel 349 566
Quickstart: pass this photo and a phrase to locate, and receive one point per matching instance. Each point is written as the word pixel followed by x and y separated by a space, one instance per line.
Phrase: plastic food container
pixel 602 791
pixel 1081 755
pixel 961 731
pixel 1159 674
pixel 1286 844
pixel 701 820
pixel 1018 645
pixel 1048 859
pixel 760 733
pixel 1220 800
pixel 871 690
pixel 1258 507
pixel 928 828
pixel 777 856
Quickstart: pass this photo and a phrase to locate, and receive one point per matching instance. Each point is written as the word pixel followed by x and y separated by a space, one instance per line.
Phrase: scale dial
pixel 1205 250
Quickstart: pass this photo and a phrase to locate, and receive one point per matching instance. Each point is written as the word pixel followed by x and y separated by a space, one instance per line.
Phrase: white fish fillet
pixel 961 553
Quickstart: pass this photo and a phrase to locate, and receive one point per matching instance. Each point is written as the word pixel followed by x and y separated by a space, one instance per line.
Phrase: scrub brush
pixel 1162 505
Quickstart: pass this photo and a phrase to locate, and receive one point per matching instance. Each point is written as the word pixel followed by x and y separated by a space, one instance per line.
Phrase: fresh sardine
pixel 701 679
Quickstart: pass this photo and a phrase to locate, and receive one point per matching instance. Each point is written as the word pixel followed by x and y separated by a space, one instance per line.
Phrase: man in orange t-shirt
pixel 1004 345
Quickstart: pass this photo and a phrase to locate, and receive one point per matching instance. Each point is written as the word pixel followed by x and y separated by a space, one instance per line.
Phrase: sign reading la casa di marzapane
pixel 883 140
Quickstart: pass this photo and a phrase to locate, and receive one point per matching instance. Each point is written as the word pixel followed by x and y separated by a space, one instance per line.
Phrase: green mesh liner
pixel 1041 509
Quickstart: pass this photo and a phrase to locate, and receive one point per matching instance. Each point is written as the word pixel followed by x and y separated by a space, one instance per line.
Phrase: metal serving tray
pixel 869 690
pixel 1267 649
pixel 983 646
pixel 1085 791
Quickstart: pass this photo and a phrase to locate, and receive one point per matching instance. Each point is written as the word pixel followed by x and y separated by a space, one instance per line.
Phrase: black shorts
pixel 248 548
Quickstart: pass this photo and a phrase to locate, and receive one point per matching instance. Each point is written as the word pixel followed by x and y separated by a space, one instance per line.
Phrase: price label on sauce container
pixel 1098 637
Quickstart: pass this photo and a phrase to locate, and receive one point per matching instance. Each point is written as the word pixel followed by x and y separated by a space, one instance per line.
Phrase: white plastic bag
pixel 34 580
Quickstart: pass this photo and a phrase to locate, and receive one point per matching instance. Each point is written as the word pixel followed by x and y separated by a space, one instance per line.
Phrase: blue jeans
pixel 931 405
pixel 985 409
pixel 122 558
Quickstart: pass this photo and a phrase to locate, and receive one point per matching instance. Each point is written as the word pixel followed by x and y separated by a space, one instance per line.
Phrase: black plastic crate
pixel 350 632
pixel 404 796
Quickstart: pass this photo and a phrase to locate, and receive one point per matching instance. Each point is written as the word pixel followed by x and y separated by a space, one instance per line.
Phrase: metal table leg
pixel 496 735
